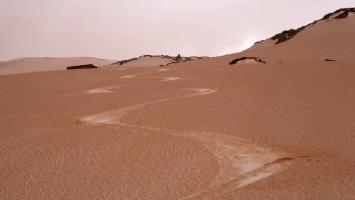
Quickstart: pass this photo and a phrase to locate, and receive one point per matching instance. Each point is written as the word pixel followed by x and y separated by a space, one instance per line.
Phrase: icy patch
pixel 170 78
pixel 104 90
pixel 129 76
pixel 100 91
pixel 163 70
pixel 257 177
pixel 98 119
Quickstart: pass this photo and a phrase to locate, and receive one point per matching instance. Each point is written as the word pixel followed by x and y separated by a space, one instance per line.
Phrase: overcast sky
pixel 119 29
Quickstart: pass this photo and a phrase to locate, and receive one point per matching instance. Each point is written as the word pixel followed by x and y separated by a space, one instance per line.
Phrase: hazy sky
pixel 118 29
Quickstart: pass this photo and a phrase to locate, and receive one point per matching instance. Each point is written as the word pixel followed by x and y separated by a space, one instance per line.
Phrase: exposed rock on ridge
pixel 289 34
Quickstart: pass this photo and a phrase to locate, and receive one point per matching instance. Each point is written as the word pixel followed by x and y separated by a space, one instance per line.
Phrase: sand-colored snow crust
pixel 219 132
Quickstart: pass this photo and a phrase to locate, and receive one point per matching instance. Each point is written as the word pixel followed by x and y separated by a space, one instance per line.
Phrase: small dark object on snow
pixel 88 66
pixel 235 61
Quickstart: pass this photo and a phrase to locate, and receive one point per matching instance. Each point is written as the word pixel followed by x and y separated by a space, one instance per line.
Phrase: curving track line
pixel 241 162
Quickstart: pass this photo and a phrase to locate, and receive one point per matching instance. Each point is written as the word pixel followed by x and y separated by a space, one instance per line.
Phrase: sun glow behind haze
pixel 248 42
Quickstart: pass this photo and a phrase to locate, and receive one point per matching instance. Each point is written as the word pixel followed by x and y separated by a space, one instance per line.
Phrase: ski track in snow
pixel 241 162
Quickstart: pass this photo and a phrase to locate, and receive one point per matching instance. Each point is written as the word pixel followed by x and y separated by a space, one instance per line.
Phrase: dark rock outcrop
pixel 235 61
pixel 88 66
pixel 185 59
pixel 289 34
pixel 286 35
pixel 122 62
pixel 344 13
pixel 329 60
pixel 174 60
